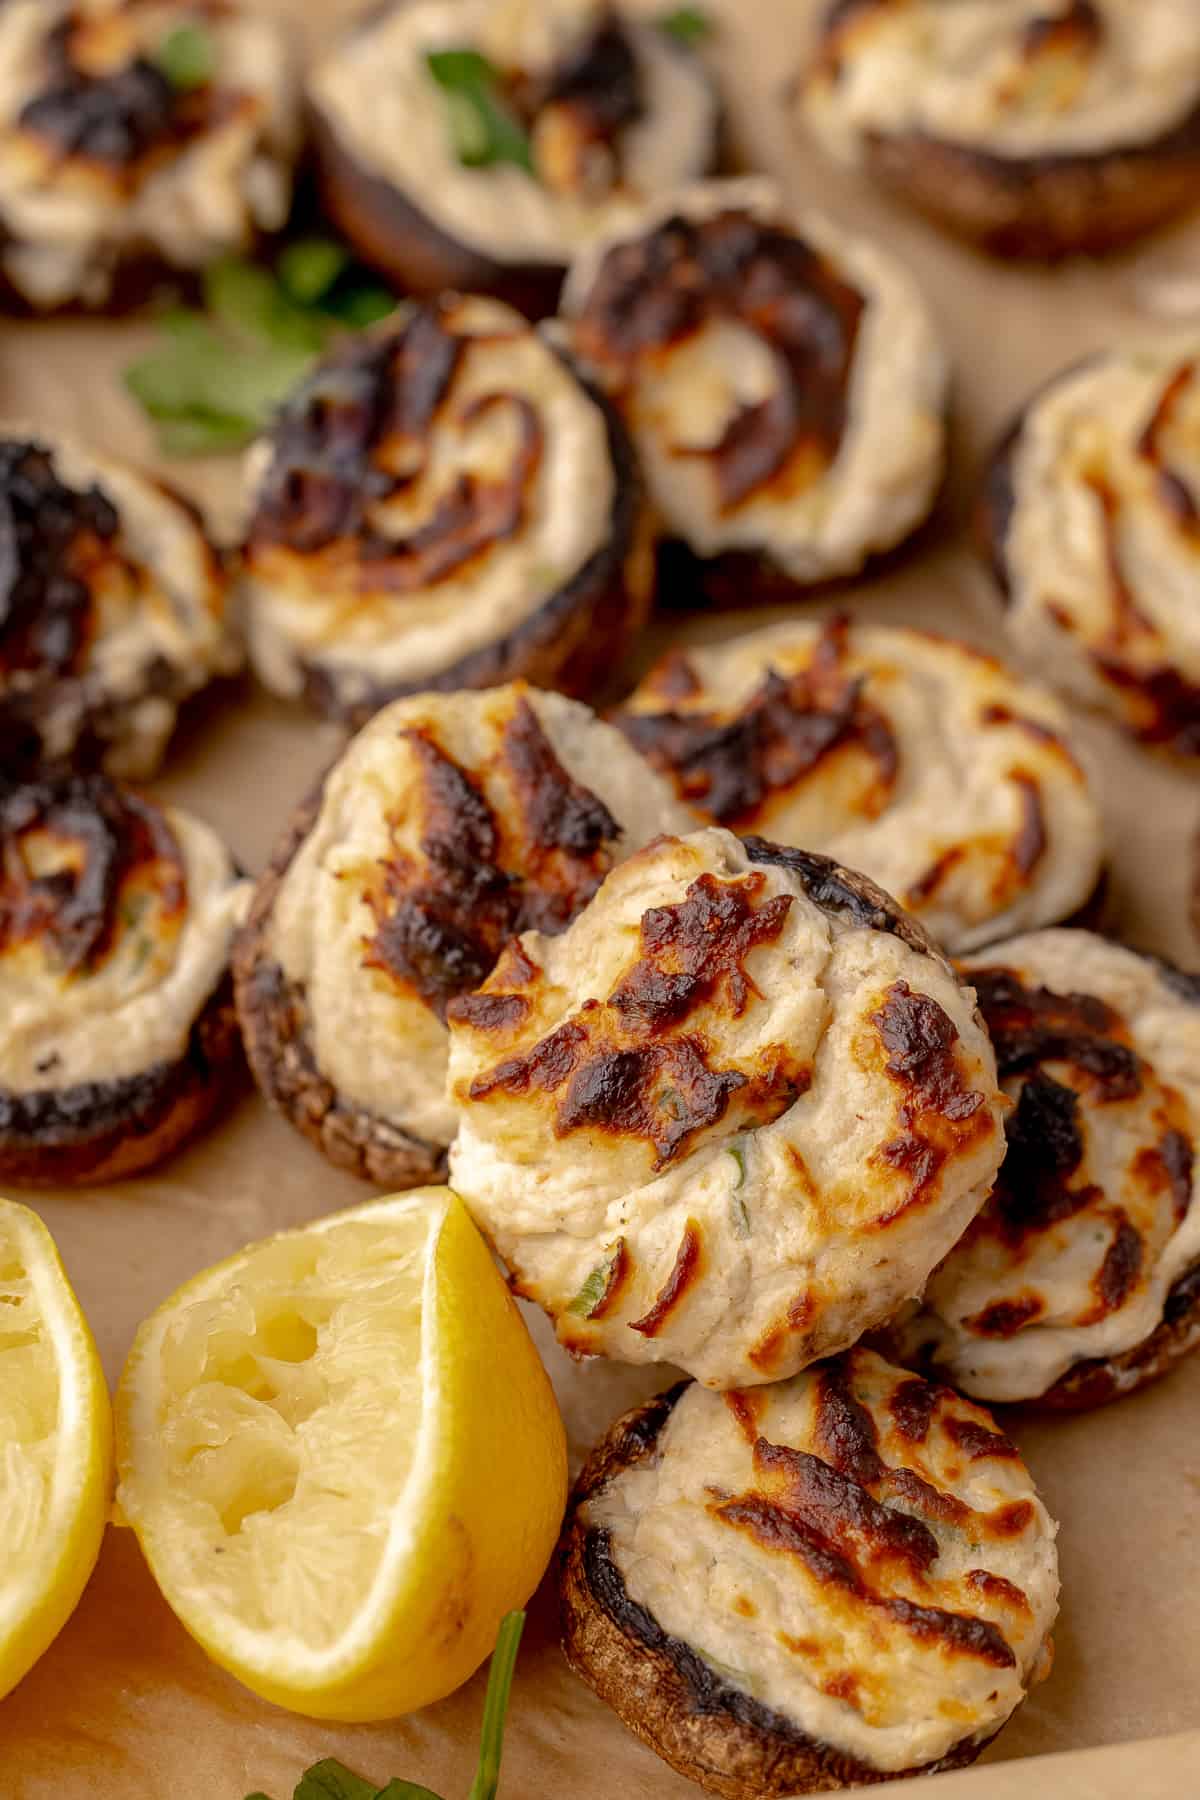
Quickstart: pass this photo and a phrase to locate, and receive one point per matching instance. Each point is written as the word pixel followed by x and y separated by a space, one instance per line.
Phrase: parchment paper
pixel 124 1704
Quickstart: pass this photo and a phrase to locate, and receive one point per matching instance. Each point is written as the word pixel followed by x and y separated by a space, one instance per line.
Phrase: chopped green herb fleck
pixel 687 24
pixel 132 910
pixel 596 1286
pixel 187 57
pixel 309 267
pixel 738 1153
pixel 671 1103
pixel 739 1212
pixel 483 127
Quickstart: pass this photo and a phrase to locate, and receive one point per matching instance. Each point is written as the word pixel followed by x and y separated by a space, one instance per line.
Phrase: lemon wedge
pixel 55 1445
pixel 344 1459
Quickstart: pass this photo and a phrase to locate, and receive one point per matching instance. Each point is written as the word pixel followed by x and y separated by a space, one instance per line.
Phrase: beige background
pixel 124 1705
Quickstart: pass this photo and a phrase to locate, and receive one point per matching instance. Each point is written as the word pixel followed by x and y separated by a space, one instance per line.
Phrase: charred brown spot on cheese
pixel 488 1012
pixel 745 1607
pixel 912 1405
pixel 55 542
pixel 731 767
pixel 1032 1025
pixel 656 292
pixel 939 1113
pixel 977 1441
pixel 1164 705
pixel 560 815
pixel 997 1589
pixel 1005 1318
pixel 1010 1520
pixel 124 120
pixel 744 1405
pixel 358 432
pixel 444 919
pixel 927 1501
pixel 694 952
pixel 685 1271
pixel 76 854
pixel 1176 497
pixel 1121 1269
pixel 674 677
pixel 844 1430
pixel 665 1093
pixel 590 97
pixel 1078 27
pixel 768 1352
pixel 1029 843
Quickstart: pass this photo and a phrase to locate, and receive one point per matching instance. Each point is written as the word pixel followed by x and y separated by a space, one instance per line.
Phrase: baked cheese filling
pixel 1102 546
pixel 863 1555
pixel 1096 1210
pixel 613 110
pixel 732 1115
pixel 110 148
pixel 781 379
pixel 114 601
pixel 116 918
pixel 1012 78
pixel 451 823
pixel 914 758
pixel 429 489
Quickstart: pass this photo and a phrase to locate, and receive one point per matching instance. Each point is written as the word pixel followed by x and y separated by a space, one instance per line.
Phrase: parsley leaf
pixel 739 1212
pixel 686 24
pixel 217 377
pixel 187 57
pixel 330 1780
pixel 483 127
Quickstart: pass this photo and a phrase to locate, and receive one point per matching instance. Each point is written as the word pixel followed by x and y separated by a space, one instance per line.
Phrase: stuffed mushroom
pixel 118 1036
pixel 136 134
pixel 914 758
pixel 1033 127
pixel 443 503
pixel 1080 1279
pixel 730 1118
pixel 112 608
pixel 1091 520
pixel 781 380
pixel 451 822
pixel 843 1578
pixel 476 145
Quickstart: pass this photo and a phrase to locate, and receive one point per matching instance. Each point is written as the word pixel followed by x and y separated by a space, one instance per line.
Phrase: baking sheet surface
pixel 124 1704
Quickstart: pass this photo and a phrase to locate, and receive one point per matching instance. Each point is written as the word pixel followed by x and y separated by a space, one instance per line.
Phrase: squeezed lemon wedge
pixel 55 1445
pixel 343 1458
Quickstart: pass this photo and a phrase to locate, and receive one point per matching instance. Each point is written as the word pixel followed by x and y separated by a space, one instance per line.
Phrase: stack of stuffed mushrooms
pixel 766 1023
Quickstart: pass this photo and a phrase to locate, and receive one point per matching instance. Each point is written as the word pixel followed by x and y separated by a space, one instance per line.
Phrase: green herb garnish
pixel 596 1286
pixel 483 127
pixel 187 57
pixel 330 1780
pixel 686 24
pixel 217 377
pixel 739 1212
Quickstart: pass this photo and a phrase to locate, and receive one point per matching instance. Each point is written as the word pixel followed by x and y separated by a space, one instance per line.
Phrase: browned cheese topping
pixel 482 878
pixel 81 861
pixel 629 1066
pixel 654 293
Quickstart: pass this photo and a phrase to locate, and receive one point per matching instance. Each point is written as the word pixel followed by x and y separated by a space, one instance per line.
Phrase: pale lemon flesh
pixel 55 1445
pixel 343 1458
